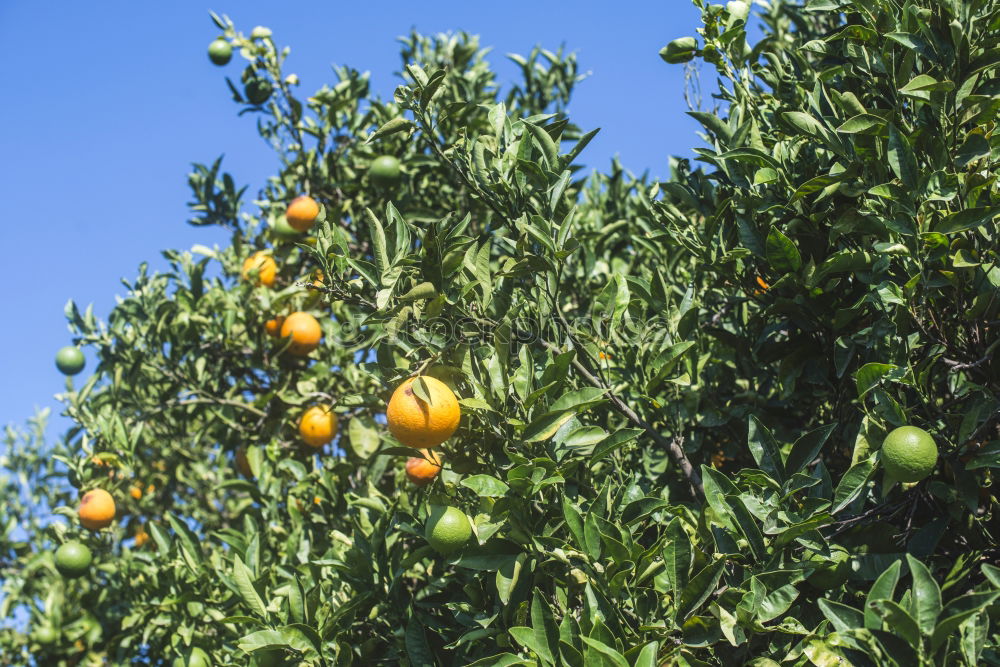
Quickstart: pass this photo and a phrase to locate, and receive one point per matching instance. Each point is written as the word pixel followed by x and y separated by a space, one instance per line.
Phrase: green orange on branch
pixel 909 454
pixel 73 559
pixel 70 360
pixel 220 51
pixel 447 529
pixel 385 171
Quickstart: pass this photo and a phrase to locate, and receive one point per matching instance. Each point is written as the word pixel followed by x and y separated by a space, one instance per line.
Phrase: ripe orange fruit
pixel 136 492
pixel 242 463
pixel 763 283
pixel 264 265
pixel 302 212
pixel 422 471
pixel 97 509
pixel 304 331
pixel 273 326
pixel 419 424
pixel 318 425
pixel 141 536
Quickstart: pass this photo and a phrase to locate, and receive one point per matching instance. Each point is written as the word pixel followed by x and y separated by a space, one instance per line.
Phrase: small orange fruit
pixel 302 212
pixel 141 536
pixel 273 326
pixel 305 332
pixel 318 425
pixel 419 424
pixel 264 265
pixel 763 283
pixel 97 509
pixel 243 463
pixel 136 492
pixel 422 471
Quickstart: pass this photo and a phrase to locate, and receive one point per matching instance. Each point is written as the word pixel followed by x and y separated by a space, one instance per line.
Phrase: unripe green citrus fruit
pixel 282 230
pixel 384 171
pixel 45 634
pixel 73 559
pixel 257 90
pixel 909 454
pixel 447 529
pixel 69 360
pixel 831 572
pixel 196 658
pixel 220 51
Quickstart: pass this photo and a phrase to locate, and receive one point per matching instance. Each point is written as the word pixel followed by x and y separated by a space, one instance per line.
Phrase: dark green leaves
pixel 782 254
pixel 902 159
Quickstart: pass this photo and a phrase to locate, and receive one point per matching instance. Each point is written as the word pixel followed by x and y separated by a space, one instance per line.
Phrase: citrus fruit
pixel 257 90
pixel 284 231
pixel 195 658
pixel 73 559
pixel 242 462
pixel 909 454
pixel 305 332
pixel 447 529
pixel 141 537
pixel 422 470
pixel 318 426
pixel 263 266
pixel 97 509
pixel 384 171
pixel 420 424
pixel 301 213
pixel 830 571
pixel 45 634
pixel 220 51
pixel 135 492
pixel 273 326
pixel 69 360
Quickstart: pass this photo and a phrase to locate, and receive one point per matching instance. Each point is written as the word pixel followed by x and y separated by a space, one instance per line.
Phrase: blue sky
pixel 108 103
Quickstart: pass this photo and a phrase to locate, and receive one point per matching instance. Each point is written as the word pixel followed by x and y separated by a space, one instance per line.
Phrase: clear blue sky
pixel 108 103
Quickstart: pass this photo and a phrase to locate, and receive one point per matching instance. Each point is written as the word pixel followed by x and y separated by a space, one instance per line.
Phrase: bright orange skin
pixel 97 509
pixel 301 213
pixel 273 326
pixel 135 492
pixel 418 424
pixel 305 332
pixel 318 426
pixel 242 463
pixel 267 268
pixel 422 471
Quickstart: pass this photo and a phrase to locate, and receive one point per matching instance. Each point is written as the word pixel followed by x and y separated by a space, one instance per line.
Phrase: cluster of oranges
pixel 415 422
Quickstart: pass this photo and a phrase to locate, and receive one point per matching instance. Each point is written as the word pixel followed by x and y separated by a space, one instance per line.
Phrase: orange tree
pixel 671 397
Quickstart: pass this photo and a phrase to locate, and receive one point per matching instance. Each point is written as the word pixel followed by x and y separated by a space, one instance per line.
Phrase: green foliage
pixel 673 393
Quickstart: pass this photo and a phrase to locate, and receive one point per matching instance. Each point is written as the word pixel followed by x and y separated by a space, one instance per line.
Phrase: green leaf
pixel 843 618
pixel 677 556
pixel 613 443
pixel 363 436
pixel 862 123
pixel 391 127
pixel 546 426
pixel 925 602
pixel 782 254
pixel 807 448
pixel 485 486
pixel 748 526
pixel 610 655
pixel 544 627
pixel 418 649
pixel 508 575
pixel 699 588
pixel 244 584
pixel 970 218
pixel 884 588
pixel 647 656
pixel 379 253
pixel 578 400
pixel 957 612
pixel 899 621
pixel 901 158
pixel 549 149
pixel 853 483
pixel 525 636
pixel 975 148
pixel 765 450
